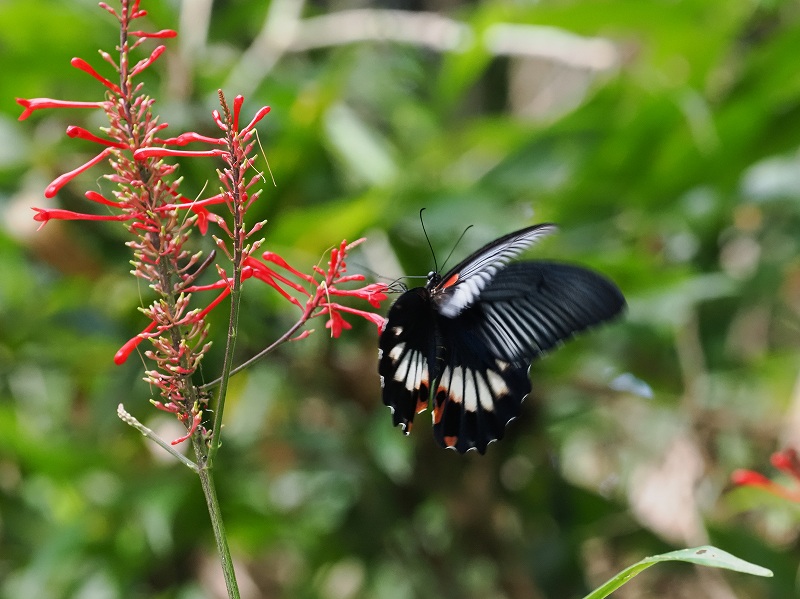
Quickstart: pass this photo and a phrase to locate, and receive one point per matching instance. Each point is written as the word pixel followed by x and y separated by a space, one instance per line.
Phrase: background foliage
pixel 662 136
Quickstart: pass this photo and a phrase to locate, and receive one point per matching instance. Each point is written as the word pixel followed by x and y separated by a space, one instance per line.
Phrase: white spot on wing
pixel 457 385
pixel 401 374
pixel 397 351
pixel 470 392
pixel 414 371
pixel 496 383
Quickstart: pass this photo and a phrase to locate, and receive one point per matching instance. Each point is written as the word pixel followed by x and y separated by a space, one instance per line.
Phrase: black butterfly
pixel 467 339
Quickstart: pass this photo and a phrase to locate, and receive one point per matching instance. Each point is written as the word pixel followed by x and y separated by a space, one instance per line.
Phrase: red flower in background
pixel 786 461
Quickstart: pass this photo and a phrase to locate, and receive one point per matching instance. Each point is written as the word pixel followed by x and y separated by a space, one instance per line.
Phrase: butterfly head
pixel 433 278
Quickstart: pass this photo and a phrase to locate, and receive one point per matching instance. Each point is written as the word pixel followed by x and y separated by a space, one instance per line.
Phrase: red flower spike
pixel 33 104
pixel 81 133
pixel 84 66
pixel 59 182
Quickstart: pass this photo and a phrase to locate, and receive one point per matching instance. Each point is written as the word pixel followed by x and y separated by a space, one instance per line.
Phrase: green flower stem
pixel 214 512
pixel 237 237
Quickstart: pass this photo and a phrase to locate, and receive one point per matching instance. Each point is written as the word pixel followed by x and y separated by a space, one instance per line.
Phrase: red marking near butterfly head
pixel 451 281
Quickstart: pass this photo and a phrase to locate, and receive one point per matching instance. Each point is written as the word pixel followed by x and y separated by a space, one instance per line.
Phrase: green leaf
pixel 703 556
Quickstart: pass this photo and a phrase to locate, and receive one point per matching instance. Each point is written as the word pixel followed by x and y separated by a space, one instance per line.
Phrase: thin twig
pixel 150 434
pixel 267 350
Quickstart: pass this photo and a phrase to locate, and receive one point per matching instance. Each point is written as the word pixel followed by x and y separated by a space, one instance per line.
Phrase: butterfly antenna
pixel 456 245
pixel 428 239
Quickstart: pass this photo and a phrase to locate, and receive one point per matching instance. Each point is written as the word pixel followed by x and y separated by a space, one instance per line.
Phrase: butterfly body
pixel 466 339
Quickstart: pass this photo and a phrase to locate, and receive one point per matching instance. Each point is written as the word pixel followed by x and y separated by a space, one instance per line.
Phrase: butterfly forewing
pixel 462 285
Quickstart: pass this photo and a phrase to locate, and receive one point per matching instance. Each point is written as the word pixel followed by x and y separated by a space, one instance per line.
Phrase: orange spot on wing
pixel 438 404
pixel 451 281
pixel 422 405
pixel 450 441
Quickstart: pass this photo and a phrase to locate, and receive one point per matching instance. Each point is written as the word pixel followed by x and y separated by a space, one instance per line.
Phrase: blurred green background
pixel 662 136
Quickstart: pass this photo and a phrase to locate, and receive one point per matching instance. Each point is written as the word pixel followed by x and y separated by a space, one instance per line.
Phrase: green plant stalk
pixel 214 512
pixel 207 453
pixel 238 237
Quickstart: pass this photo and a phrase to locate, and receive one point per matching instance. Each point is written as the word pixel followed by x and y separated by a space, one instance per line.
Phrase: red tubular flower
pixel 197 418
pixel 126 350
pixel 43 216
pixel 96 197
pixel 84 66
pixel 33 104
pixel 143 153
pixel 190 137
pixel 82 133
pixel 325 285
pixel 164 33
pixel 787 461
pixel 262 112
pixel 59 182
pixel 144 63
pixel 375 319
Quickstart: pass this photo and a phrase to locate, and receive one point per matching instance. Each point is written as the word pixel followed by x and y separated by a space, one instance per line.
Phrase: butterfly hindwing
pixel 408 356
pixel 476 394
